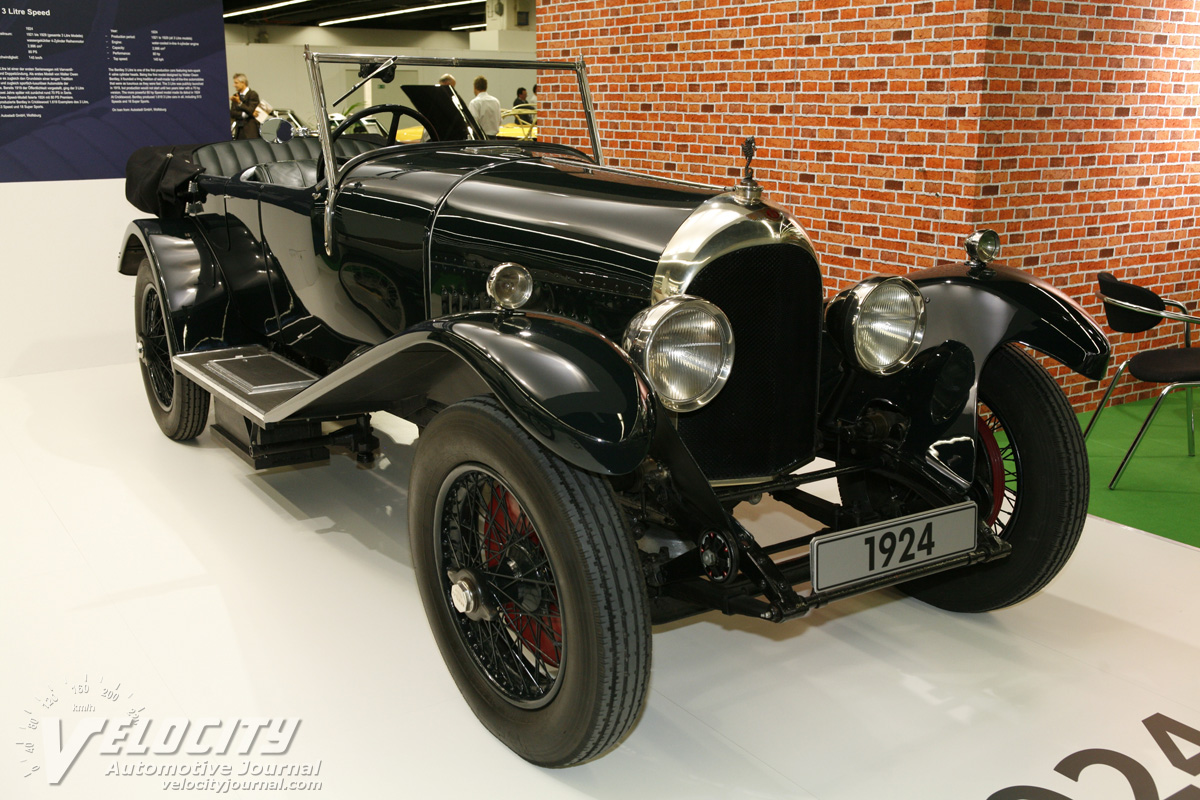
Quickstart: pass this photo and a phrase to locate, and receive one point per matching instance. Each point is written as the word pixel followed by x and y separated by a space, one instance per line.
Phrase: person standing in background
pixel 242 105
pixel 522 100
pixel 448 80
pixel 485 109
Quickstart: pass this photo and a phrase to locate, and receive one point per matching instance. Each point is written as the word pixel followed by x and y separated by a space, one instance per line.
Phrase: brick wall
pixel 892 130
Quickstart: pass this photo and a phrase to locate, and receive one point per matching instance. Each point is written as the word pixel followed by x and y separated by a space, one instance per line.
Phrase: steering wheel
pixel 396 110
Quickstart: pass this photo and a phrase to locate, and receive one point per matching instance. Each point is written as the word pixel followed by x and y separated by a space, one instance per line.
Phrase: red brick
pixel 895 130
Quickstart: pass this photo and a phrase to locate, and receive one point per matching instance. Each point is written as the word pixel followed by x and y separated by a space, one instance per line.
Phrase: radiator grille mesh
pixel 764 421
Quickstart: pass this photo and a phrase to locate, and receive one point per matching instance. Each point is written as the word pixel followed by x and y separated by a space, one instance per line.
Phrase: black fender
pixel 985 308
pixel 189 280
pixel 573 389
pixel 972 311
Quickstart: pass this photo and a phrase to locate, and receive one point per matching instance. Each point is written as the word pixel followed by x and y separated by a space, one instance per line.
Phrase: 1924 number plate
pixel 847 557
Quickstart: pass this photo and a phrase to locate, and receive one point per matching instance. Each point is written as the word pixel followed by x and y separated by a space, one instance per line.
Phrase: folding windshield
pixel 542 101
pixel 346 86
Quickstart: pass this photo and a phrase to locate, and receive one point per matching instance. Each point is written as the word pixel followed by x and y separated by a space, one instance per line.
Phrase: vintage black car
pixel 603 366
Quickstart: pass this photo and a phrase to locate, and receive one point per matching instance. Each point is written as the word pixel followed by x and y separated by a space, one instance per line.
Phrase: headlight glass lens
pixel 510 285
pixel 685 346
pixel 889 325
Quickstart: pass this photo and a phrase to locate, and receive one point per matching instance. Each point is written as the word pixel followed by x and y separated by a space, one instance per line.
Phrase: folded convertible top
pixel 157 178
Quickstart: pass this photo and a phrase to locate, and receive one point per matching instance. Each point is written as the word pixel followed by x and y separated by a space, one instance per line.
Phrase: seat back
pixel 1125 320
pixel 296 174
pixel 226 159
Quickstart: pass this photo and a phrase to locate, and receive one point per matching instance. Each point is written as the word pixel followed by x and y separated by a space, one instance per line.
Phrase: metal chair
pixel 524 117
pixel 1131 309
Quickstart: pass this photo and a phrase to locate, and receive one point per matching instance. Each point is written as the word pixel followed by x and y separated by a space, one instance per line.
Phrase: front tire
pixel 531 584
pixel 1031 483
pixel 179 406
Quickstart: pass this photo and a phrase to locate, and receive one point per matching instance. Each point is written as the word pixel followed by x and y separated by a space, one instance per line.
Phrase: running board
pixel 252 379
pixel 250 387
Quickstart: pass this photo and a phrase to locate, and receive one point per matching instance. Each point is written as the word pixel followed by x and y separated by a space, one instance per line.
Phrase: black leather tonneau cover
pixel 157 178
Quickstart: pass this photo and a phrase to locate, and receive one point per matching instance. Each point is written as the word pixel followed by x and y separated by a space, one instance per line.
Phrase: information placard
pixel 84 83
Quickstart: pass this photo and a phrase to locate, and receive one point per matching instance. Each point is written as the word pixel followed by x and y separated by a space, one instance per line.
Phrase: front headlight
pixel 879 323
pixel 685 346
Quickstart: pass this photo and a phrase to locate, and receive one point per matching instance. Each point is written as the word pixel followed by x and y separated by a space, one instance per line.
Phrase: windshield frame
pixel 316 59
pixel 334 172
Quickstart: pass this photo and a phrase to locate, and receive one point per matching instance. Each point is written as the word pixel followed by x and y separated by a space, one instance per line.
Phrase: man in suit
pixel 522 100
pixel 242 105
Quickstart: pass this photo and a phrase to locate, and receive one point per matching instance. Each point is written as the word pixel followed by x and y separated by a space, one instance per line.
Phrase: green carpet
pixel 1160 490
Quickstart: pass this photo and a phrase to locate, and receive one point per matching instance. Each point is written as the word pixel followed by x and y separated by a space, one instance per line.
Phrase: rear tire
pixel 531 584
pixel 179 406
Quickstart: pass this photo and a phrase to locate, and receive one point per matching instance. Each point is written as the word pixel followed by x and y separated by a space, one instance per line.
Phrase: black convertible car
pixel 603 366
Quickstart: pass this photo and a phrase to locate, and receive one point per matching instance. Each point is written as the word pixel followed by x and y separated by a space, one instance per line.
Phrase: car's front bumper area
pixel 730 571
pixel 768 589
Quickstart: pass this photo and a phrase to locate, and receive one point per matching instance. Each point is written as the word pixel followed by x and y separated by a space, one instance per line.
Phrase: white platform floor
pixel 195 588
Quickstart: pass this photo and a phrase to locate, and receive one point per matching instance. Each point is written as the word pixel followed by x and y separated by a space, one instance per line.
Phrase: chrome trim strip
pixel 331 166
pixel 588 110
pixel 719 226
pixel 766 479
pixel 570 162
pixel 1164 314
pixel 438 61
pixel 338 377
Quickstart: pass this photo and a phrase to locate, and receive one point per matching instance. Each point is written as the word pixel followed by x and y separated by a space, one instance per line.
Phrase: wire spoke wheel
pixel 486 537
pixel 179 406
pixel 997 472
pixel 155 354
pixel 532 586
pixel 1030 484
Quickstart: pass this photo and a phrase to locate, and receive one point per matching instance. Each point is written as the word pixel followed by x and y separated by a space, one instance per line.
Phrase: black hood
pixel 569 213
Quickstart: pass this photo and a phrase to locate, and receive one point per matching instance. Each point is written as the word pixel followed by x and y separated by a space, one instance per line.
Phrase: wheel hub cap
pixel 464 596
pixel 467 596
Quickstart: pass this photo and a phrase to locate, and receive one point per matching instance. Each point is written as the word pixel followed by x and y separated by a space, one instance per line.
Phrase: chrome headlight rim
pixel 640 341
pixel 849 320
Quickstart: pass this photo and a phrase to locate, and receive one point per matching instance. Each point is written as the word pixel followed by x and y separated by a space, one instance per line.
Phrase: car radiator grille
pixel 764 421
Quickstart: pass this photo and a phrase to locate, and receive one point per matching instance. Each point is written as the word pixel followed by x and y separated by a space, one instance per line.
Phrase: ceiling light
pixel 257 9
pixel 470 27
pixel 400 11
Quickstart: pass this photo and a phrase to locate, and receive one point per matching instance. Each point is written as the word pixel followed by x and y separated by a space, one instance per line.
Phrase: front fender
pixel 971 313
pixel 985 308
pixel 570 387
pixel 189 279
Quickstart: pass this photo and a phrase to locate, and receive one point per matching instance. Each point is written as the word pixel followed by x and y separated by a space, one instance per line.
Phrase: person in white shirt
pixel 485 108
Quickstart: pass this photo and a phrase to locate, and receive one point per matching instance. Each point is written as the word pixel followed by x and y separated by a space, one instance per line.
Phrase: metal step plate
pixel 252 378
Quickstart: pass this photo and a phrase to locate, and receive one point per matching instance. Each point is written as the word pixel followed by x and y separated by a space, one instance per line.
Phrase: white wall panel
pixel 64 305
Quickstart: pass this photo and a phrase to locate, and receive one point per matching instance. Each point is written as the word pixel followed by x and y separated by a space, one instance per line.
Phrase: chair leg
pixel 1150 418
pixel 1191 423
pixel 1104 401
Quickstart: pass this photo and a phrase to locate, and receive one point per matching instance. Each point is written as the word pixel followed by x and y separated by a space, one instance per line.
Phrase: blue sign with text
pixel 84 83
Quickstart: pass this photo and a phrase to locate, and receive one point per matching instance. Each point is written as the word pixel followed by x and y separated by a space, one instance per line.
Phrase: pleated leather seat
pixel 226 159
